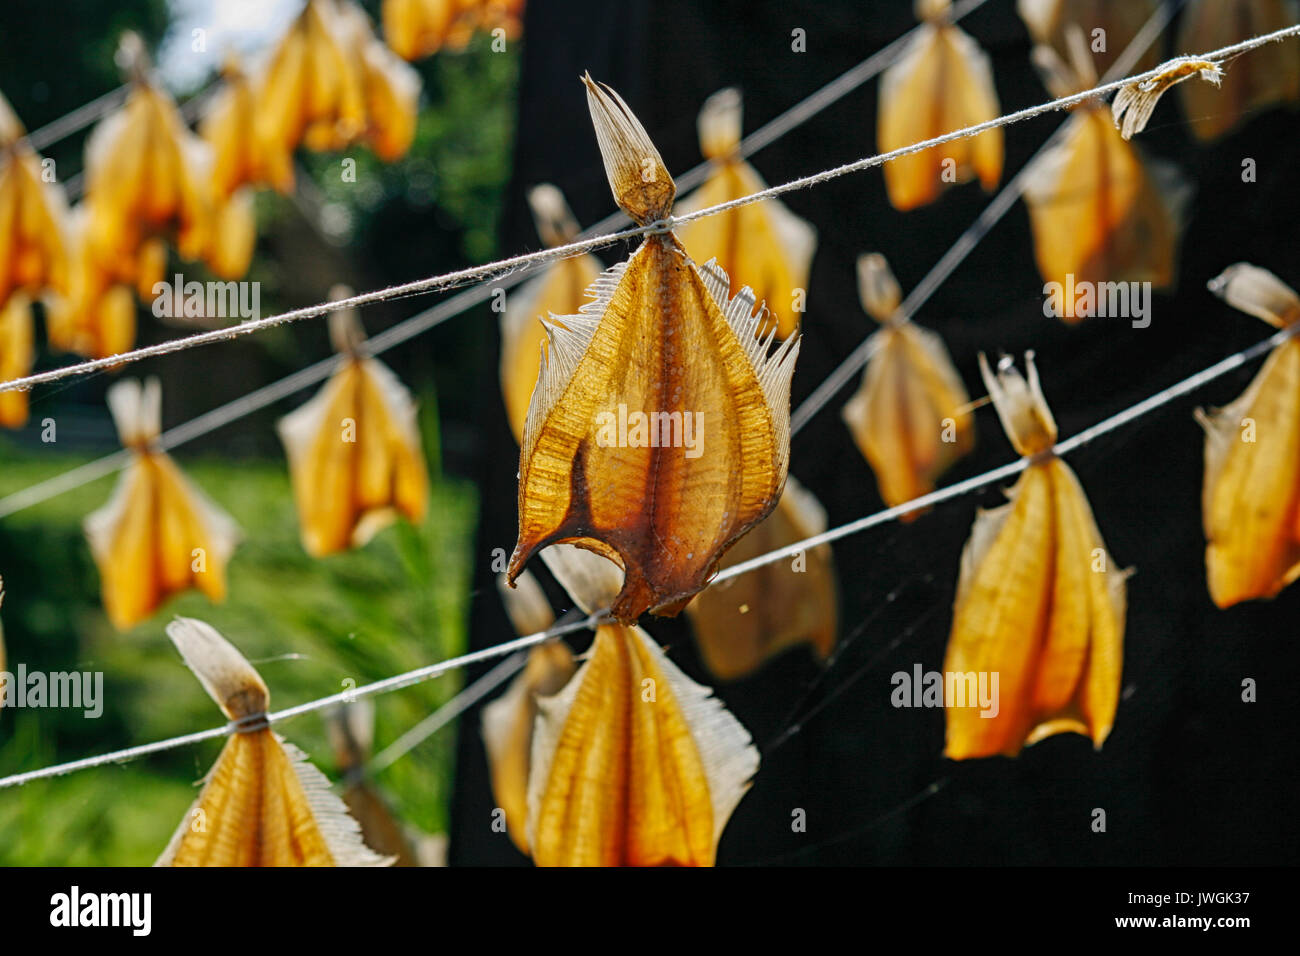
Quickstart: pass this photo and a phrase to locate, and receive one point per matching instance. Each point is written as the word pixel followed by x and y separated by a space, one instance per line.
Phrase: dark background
pixel 1190 774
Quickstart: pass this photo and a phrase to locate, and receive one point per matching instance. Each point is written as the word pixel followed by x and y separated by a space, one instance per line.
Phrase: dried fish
pixel 262 803
pixel 942 82
pixel 1039 614
pixel 659 431
pixel 741 623
pixel 764 242
pixel 508 721
pixel 391 88
pixel 1100 211
pixel 312 92
pixel 33 217
pixel 419 28
pixel 96 317
pixel 351 729
pixel 1251 497
pixel 236 169
pixel 910 417
pixel 633 763
pixel 558 289
pixel 17 352
pixel 158 535
pixel 147 176
pixel 355 456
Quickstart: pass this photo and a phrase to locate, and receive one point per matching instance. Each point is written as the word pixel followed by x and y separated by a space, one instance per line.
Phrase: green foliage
pixel 307 625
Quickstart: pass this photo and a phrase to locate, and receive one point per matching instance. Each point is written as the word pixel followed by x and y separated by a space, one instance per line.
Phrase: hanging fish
pixel 33 216
pixel 415 29
pixel 942 82
pixel 910 417
pixel 147 175
pixel 391 87
pixel 230 115
pixel 234 235
pixel 764 242
pixel 559 289
pixel 351 731
pixel 747 620
pixel 312 92
pixel 658 433
pixel 355 457
pixel 96 317
pixel 16 355
pixel 1253 81
pixel 1251 498
pixel 1099 210
pixel 508 720
pixel 262 803
pixel 235 171
pixel 633 763
pixel 1040 606
pixel 1108 25
pixel 158 535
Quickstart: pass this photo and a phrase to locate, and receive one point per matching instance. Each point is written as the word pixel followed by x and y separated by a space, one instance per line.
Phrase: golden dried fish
pixel 658 433
pixel 1251 497
pixel 225 127
pixel 910 417
pixel 391 87
pixel 262 803
pixel 415 29
pixel 764 242
pixel 16 355
pixel 351 731
pixel 235 170
pixel 1109 26
pixel 1039 614
pixel 508 720
pixel 942 82
pixel 1253 81
pixel 633 763
pixel 355 456
pixel 1134 103
pixel 96 316
pixel 33 214
pixel 558 289
pixel 743 622
pixel 158 535
pixel 1100 211
pixel 312 92
pixel 234 234
pixel 147 175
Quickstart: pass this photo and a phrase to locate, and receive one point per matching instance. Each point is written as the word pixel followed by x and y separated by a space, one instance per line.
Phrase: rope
pixel 500 267
pixel 77 119
pixel 410 678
